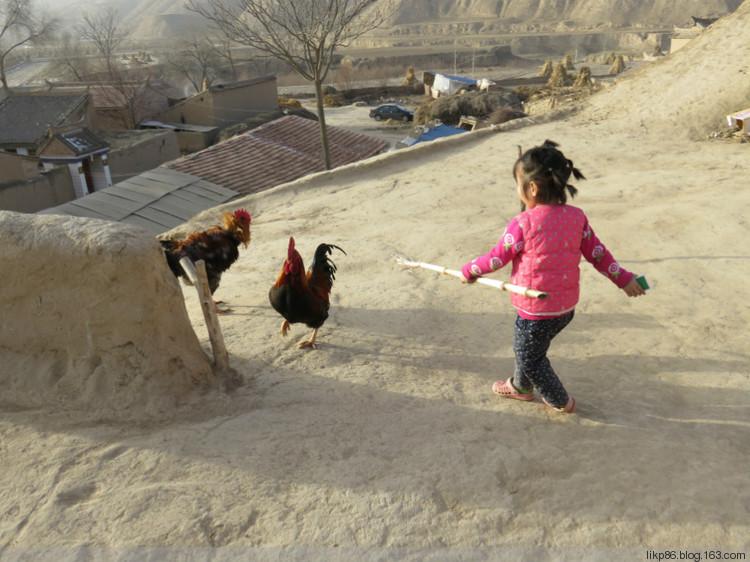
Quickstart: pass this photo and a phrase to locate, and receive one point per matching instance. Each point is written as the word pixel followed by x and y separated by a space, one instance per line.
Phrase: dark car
pixel 392 111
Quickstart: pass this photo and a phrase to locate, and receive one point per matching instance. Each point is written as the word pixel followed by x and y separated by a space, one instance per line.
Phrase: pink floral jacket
pixel 545 245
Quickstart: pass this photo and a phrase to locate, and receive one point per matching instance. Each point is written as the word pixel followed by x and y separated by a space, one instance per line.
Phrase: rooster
pixel 218 247
pixel 303 297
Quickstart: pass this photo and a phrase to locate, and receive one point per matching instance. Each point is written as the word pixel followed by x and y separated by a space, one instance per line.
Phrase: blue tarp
pixel 439 132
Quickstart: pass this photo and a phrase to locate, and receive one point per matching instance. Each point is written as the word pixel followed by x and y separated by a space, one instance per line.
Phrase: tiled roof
pixel 158 200
pixel 24 118
pixel 278 152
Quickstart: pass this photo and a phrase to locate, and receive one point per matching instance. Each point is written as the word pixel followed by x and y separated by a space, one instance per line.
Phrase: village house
pixel 124 105
pixel 199 119
pixel 224 105
pixel 26 188
pixel 28 123
pixel 280 151
pixel 84 154
pixel 60 132
pixel 24 119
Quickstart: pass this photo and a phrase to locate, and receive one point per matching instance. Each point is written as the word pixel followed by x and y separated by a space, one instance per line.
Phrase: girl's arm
pixel 509 245
pixel 597 254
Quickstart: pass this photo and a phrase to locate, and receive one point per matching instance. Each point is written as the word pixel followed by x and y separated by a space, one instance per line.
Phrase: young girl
pixel 545 244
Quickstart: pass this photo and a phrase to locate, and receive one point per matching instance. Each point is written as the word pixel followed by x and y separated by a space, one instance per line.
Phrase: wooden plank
pixel 197 274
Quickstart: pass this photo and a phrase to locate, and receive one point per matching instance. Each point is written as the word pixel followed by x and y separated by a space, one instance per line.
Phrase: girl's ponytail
pixel 551 170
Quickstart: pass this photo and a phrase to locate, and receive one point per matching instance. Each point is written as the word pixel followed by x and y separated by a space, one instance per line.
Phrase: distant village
pixel 155 156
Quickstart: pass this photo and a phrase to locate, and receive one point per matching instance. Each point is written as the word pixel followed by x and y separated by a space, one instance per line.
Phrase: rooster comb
pixel 242 214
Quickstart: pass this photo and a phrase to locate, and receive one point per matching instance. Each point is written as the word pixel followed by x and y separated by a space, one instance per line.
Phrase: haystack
pixel 568 63
pixel 546 69
pixel 609 58
pixel 560 78
pixel 618 66
pixel 410 79
pixel 583 79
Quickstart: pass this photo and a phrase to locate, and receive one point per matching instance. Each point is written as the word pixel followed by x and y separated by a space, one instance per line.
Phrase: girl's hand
pixel 465 280
pixel 633 289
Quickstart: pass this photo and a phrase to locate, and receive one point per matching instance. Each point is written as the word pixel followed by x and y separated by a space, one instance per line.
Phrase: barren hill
pixel 581 13
pixel 424 19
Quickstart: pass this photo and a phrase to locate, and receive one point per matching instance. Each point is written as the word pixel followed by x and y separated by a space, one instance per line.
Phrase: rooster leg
pixel 284 328
pixel 310 343
pixel 221 310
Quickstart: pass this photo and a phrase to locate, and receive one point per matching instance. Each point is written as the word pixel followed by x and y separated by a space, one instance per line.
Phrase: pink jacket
pixel 545 245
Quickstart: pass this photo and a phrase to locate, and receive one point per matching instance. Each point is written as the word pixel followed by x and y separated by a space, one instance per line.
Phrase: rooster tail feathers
pixel 321 263
pixel 173 257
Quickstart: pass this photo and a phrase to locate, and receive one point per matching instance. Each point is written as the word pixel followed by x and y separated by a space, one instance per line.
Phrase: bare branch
pixel 103 30
pixel 302 34
pixel 21 23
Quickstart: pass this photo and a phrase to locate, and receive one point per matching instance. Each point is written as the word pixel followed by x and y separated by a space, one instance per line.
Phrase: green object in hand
pixel 642 282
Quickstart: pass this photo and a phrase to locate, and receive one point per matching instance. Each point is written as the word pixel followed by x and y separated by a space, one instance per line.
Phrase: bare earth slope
pixel 690 92
pixel 582 12
pixel 388 438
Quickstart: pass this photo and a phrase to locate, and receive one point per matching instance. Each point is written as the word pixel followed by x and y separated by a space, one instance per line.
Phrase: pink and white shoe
pixel 569 408
pixel 506 389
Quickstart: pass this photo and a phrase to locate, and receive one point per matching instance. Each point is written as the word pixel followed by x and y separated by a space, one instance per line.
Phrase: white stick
pixel 525 291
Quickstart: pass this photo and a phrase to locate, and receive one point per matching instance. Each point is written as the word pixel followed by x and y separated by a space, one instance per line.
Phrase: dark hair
pixel 549 168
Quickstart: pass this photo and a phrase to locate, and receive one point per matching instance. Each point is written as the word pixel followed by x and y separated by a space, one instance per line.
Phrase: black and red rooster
pixel 303 296
pixel 218 247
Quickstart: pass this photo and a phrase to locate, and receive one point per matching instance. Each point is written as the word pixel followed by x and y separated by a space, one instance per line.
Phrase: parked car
pixel 392 111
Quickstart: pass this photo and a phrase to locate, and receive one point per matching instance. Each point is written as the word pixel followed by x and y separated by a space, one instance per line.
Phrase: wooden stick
pixel 197 274
pixel 525 291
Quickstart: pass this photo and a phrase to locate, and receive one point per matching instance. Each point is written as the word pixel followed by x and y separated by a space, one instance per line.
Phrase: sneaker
pixel 569 408
pixel 506 389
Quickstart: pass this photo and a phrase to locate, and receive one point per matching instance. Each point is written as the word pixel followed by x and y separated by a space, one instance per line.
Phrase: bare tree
pixel 71 55
pixel 302 34
pixel 21 23
pixel 104 31
pixel 224 51
pixel 197 60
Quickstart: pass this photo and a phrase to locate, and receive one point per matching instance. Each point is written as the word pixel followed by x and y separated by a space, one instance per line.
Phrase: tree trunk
pixel 3 78
pixel 322 123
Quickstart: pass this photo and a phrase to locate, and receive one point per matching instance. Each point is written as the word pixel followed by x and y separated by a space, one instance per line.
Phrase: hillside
pixel 582 14
pixel 424 20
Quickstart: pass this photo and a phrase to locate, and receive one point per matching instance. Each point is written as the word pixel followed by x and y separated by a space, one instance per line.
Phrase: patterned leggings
pixel 531 341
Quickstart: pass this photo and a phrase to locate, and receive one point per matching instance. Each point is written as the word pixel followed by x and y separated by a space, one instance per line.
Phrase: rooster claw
pixel 305 344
